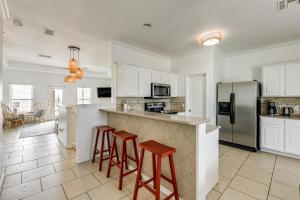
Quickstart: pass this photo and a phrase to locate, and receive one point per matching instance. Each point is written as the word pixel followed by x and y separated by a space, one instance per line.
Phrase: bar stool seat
pixel 124 137
pixel 157 148
pixel 158 151
pixel 105 130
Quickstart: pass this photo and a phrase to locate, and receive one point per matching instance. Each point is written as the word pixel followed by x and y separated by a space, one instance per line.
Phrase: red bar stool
pixel 104 130
pixel 124 137
pixel 158 152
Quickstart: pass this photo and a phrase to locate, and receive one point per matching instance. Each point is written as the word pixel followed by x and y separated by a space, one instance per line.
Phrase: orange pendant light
pixel 75 73
pixel 69 79
pixel 79 74
pixel 73 65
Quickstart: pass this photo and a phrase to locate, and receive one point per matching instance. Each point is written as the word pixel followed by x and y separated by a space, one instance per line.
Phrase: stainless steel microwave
pixel 159 90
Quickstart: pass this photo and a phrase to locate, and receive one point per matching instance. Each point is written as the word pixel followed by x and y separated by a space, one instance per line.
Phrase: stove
pixel 157 107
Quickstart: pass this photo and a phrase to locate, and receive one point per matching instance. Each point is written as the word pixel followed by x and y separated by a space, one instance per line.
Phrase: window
pixel 84 95
pixel 21 97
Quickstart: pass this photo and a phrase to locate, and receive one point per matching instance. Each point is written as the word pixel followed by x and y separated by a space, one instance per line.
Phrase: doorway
pixel 196 95
pixel 56 98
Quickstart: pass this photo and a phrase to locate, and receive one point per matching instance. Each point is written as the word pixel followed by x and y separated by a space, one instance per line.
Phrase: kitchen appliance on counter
pixel 272 108
pixel 159 90
pixel 287 111
pixel 157 107
pixel 237 114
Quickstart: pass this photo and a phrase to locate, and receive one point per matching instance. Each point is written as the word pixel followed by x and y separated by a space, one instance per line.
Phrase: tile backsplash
pixel 138 103
pixel 293 102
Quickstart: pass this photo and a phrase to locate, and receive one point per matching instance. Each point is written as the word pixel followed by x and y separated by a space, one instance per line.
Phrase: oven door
pixel 160 90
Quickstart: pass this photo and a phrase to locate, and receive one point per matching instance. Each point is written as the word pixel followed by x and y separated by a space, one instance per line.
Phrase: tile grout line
pixel 64 191
pixel 228 186
pixel 272 175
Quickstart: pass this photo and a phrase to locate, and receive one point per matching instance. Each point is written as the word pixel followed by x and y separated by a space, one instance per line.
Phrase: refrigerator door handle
pixel 232 108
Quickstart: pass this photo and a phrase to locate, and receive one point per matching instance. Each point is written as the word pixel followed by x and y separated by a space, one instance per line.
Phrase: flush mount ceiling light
pixel 211 38
pixel 75 72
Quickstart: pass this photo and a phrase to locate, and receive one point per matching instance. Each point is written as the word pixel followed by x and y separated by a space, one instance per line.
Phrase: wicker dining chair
pixel 9 118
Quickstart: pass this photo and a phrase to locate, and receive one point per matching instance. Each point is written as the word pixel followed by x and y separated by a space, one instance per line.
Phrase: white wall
pixel 127 54
pixel 208 62
pixel 245 66
pixel 41 81
pixel 1 97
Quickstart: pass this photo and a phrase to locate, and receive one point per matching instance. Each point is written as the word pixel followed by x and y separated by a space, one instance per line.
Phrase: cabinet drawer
pixel 273 121
pixel 292 122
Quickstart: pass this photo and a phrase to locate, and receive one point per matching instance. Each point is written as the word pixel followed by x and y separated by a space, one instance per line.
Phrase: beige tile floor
pixel 40 168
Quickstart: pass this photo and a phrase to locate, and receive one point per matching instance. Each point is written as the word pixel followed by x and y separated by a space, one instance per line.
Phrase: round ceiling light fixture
pixel 211 38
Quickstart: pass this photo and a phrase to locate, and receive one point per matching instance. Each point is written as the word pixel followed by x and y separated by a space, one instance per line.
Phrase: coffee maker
pixel 272 108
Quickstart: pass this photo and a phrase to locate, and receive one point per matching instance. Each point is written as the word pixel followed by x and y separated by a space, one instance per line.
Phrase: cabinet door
pixel 155 77
pixel 164 78
pixel 131 81
pixel 272 134
pixel 144 83
pixel 292 137
pixel 173 81
pixel 293 79
pixel 274 81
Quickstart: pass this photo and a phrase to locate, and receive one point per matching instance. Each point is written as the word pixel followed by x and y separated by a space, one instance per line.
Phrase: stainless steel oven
pixel 159 90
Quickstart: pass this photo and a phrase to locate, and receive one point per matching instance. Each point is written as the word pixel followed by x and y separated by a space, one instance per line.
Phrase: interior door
pixel 245 126
pixel 224 91
pixel 197 96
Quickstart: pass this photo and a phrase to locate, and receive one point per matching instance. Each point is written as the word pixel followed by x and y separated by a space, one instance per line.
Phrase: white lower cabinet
pixel 272 134
pixel 292 137
pixel 281 135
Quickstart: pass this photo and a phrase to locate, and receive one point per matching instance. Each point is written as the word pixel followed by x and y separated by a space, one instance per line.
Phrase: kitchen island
pixel 196 143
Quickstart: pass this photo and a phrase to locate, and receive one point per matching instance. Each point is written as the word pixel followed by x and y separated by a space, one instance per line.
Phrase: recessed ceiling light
pixel 211 38
pixel 44 56
pixel 147 26
pixel 17 22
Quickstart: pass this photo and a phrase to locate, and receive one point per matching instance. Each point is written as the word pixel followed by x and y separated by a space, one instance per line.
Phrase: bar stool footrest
pixel 166 178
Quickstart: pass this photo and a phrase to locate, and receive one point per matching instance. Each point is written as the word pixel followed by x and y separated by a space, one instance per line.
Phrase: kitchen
pixel 221 121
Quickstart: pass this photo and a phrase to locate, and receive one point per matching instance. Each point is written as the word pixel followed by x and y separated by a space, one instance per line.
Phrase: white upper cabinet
pixel 160 77
pixel 272 134
pixel 144 82
pixel 127 81
pixel 274 81
pixel 292 137
pixel 173 81
pixel 132 81
pixel 155 77
pixel 164 78
pixel 293 79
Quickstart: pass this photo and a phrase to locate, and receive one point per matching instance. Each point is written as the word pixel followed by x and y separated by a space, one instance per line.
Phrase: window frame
pixel 82 100
pixel 10 92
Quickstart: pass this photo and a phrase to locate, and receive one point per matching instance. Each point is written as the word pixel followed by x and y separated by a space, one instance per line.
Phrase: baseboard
pixel 280 153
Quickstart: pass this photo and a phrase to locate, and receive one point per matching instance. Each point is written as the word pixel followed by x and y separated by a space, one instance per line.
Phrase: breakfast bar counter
pixel 196 144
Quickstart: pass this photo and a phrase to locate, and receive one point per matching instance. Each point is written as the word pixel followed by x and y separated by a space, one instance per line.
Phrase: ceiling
pixel 176 26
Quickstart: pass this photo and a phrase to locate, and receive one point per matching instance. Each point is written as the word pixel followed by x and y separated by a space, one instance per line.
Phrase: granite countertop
pixel 292 117
pixel 182 119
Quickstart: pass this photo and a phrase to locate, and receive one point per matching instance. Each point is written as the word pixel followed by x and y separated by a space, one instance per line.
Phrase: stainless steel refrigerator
pixel 237 113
